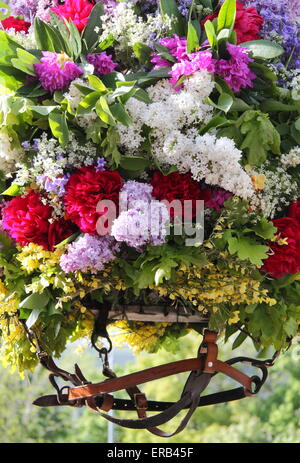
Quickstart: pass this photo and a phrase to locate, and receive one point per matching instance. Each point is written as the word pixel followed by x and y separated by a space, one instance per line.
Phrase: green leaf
pixel 259 136
pixel 68 240
pixel 13 190
pixel 88 104
pixel 43 110
pixel 75 40
pixel 216 121
pixel 248 249
pixel 134 163
pixel 103 111
pixel 290 327
pixel 90 35
pixel 274 106
pixel 106 43
pixel 192 38
pixel 33 317
pixel 120 114
pixel 210 32
pixel 48 38
pixel 35 301
pixel 170 13
pixel 265 229
pixel 59 127
pixel 225 102
pixel 239 340
pixel 142 52
pixel 226 16
pixel 97 83
pixel 264 49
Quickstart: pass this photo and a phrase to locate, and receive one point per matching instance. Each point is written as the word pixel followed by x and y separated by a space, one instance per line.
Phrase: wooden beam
pixel 142 313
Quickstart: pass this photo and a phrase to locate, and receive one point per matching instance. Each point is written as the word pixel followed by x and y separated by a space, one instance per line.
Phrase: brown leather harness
pixel 99 397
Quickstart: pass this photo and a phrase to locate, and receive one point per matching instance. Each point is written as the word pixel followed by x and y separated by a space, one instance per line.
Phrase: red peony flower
pixel 27 220
pixel 76 10
pixel 294 210
pixel 247 24
pixel 85 189
pixel 14 23
pixel 178 186
pixel 285 258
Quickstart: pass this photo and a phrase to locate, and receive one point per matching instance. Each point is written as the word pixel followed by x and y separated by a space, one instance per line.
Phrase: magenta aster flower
pixel 195 62
pixel 56 71
pixel 102 63
pixel 236 71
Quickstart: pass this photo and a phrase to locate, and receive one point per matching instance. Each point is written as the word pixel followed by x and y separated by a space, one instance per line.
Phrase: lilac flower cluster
pixel 144 220
pixel 282 24
pixel 100 164
pixel 103 63
pixel 236 71
pixel 31 8
pixel 56 185
pixel 31 146
pixel 56 71
pixel 89 254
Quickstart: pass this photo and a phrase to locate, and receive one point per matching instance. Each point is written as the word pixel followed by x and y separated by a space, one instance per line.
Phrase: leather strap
pixel 141 377
pixel 202 369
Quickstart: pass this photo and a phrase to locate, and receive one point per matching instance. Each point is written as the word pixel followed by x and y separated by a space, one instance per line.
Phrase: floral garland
pixel 124 125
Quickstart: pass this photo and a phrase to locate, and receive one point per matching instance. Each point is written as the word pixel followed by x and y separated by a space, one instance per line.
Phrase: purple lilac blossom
pixel 177 48
pixel 56 185
pixel 109 5
pixel 236 71
pixel 31 8
pixel 282 18
pixel 143 220
pixel 56 71
pixel 89 254
pixel 133 191
pixel 103 63
pixel 146 224
pixel 100 164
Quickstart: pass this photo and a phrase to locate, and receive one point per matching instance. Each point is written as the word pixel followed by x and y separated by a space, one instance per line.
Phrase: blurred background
pixel 271 417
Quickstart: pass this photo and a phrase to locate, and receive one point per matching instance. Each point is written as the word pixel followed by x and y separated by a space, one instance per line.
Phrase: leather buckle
pixel 140 401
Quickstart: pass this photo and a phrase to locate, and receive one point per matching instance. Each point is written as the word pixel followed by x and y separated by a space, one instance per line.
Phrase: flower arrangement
pixel 149 154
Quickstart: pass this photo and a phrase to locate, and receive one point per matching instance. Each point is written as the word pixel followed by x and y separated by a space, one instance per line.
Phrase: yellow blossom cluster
pixel 34 257
pixel 210 286
pixel 138 335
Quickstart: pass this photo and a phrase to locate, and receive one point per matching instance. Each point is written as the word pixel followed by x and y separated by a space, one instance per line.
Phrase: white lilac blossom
pixel 169 110
pixel 292 159
pixel 53 161
pixel 280 191
pixel 89 254
pixel 128 28
pixel 174 118
pixel 10 155
pixel 215 160
pixel 74 97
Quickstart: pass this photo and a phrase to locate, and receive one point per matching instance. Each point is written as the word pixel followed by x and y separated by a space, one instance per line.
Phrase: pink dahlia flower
pixel 56 71
pixel 76 10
